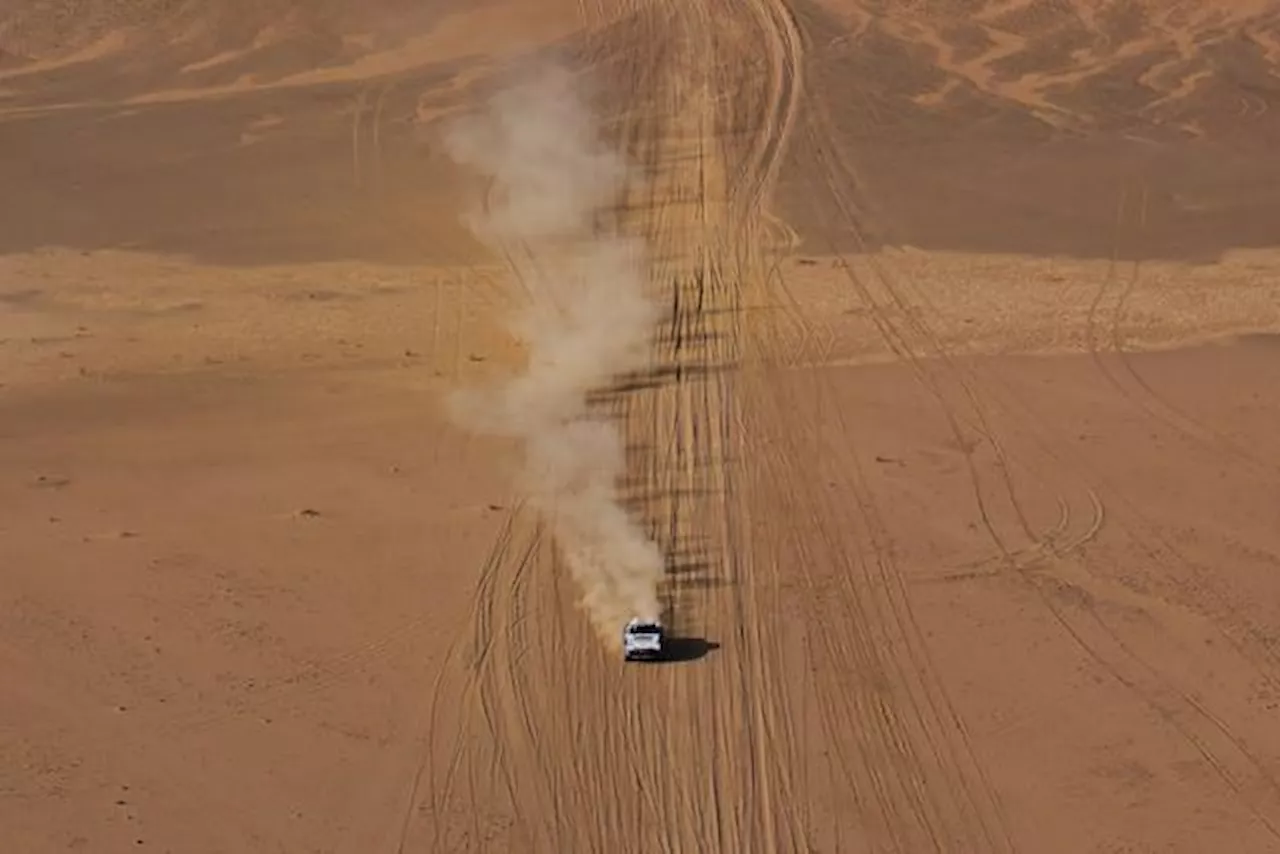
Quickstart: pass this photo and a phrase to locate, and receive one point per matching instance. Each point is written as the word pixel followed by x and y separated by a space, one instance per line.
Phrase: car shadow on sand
pixel 677 650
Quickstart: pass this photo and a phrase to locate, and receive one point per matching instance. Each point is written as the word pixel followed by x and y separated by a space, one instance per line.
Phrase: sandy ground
pixel 960 439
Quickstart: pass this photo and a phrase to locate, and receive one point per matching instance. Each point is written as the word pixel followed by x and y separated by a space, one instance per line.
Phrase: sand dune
pixel 954 441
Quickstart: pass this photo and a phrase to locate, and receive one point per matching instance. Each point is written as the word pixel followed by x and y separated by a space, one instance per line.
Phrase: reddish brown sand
pixel 976 501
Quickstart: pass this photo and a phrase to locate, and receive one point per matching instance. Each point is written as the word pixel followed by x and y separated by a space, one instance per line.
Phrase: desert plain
pixel 957 432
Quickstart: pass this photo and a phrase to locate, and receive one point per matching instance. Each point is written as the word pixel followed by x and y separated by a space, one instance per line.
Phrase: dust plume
pixel 585 318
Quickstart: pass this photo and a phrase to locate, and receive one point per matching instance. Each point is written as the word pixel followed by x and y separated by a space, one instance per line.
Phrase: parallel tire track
pixel 1222 750
pixel 1142 396
pixel 952 803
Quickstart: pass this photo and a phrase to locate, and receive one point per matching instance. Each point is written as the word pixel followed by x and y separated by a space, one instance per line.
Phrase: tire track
pixel 1221 749
pixel 694 421
pixel 657 416
pixel 628 726
pixel 1057 541
pixel 931 368
pixel 505 695
pixel 958 803
pixel 616 731
pixel 900 294
pixel 1207 733
pixel 758 597
pixel 864 766
pixel 1156 407
pixel 357 169
pixel 903 800
pixel 897 782
pixel 1138 526
pixel 667 207
pixel 462 663
pixel 682 231
pixel 1237 765
pixel 929 360
pixel 755 592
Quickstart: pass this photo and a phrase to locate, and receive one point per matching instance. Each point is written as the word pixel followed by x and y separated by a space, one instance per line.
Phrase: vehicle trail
pixel 1221 748
pixel 1131 218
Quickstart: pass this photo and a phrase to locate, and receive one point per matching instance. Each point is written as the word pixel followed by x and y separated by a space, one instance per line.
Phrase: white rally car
pixel 642 640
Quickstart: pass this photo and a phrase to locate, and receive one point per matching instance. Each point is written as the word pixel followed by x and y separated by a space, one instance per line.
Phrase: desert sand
pixel 954 440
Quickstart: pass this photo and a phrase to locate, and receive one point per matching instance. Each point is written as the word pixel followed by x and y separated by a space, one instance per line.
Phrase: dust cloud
pixel 584 319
